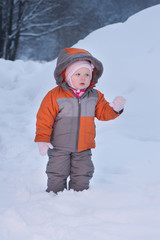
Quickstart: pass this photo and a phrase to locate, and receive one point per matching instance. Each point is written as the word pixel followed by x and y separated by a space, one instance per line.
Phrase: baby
pixel 65 128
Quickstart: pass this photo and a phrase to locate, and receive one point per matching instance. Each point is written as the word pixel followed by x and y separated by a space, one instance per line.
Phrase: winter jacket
pixel 63 119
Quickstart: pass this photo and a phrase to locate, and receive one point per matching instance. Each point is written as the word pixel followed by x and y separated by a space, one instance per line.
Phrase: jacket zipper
pixel 78 125
pixel 79 114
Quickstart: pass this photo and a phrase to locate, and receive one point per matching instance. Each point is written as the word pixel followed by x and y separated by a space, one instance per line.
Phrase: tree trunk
pixel 9 30
pixel 2 34
pixel 15 39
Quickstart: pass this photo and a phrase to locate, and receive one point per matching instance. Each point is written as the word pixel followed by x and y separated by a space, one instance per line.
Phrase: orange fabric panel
pixel 45 118
pixel 86 133
pixel 72 51
pixel 103 110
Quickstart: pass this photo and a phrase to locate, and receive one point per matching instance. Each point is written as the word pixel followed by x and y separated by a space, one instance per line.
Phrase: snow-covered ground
pixel 123 202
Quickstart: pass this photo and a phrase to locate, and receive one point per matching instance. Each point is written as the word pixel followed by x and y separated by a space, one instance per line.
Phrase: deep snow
pixel 123 202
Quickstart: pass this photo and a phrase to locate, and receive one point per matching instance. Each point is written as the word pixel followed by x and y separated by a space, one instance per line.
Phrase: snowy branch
pixel 32 15
pixel 49 31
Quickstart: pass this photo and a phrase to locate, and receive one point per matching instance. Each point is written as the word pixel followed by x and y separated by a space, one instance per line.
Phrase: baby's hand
pixel 118 103
pixel 43 147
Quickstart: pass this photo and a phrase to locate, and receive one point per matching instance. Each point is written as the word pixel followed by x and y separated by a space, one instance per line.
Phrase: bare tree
pixel 25 18
pixel 11 17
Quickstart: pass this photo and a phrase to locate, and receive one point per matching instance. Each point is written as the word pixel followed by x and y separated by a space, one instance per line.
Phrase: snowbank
pixel 124 199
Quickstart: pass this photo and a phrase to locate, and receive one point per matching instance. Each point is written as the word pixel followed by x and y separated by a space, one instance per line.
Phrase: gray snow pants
pixel 62 164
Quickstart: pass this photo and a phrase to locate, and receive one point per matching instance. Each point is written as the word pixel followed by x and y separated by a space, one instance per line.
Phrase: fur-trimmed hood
pixel 70 55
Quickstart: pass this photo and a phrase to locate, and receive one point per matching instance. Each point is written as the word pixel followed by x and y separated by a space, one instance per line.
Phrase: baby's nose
pixel 83 76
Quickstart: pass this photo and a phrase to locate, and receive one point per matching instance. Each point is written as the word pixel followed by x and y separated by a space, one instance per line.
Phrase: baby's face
pixel 81 78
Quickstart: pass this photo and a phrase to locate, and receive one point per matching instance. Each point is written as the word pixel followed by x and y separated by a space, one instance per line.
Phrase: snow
pixel 123 202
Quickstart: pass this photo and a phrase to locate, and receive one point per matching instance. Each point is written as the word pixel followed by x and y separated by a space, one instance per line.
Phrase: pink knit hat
pixel 71 69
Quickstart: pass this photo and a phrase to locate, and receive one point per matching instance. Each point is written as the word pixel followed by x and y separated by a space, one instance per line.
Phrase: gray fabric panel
pixel 88 104
pixel 62 164
pixel 68 107
pixel 58 169
pixel 64 133
pixel 65 127
pixel 82 170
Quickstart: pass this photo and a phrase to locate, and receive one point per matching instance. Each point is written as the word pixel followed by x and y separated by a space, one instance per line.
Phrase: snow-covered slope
pixel 123 202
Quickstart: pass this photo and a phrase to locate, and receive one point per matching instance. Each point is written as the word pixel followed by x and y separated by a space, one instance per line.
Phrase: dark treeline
pixel 38 29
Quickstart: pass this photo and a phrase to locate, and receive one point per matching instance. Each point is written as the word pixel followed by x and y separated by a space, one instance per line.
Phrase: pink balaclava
pixel 71 69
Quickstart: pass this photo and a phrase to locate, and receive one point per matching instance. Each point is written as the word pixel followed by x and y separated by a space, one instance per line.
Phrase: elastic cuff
pixel 119 111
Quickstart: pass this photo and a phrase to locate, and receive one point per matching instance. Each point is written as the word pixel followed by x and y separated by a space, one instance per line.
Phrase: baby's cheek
pixel 74 80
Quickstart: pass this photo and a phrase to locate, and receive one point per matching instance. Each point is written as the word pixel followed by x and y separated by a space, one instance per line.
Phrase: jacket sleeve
pixel 45 118
pixel 104 111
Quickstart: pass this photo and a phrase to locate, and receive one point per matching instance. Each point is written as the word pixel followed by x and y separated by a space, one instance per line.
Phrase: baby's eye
pixel 78 74
pixel 86 75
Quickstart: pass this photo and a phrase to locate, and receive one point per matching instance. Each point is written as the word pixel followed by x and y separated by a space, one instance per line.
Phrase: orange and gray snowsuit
pixel 68 123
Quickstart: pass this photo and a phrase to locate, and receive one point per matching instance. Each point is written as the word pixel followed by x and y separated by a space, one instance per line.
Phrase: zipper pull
pixel 79 100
